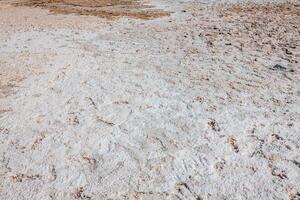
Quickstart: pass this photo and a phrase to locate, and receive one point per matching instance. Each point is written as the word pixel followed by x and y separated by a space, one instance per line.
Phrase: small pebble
pixel 280 68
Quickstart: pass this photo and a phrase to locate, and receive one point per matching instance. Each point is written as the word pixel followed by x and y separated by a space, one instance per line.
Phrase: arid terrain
pixel 156 99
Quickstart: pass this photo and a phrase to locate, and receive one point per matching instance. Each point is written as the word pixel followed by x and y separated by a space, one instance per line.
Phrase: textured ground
pixel 186 106
pixel 102 8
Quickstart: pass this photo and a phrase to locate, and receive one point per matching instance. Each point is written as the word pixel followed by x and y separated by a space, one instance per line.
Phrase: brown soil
pixel 102 8
pixel 267 9
pixel 8 80
pixel 271 28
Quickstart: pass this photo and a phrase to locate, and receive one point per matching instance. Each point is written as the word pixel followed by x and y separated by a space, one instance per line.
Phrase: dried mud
pixel 102 8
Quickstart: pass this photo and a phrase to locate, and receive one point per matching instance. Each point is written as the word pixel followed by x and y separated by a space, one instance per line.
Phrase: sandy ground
pixel 186 106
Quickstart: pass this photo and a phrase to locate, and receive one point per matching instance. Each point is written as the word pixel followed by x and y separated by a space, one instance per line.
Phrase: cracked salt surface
pixel 179 107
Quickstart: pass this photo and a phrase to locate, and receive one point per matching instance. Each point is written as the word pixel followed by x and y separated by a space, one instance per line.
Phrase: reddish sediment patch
pixel 109 9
